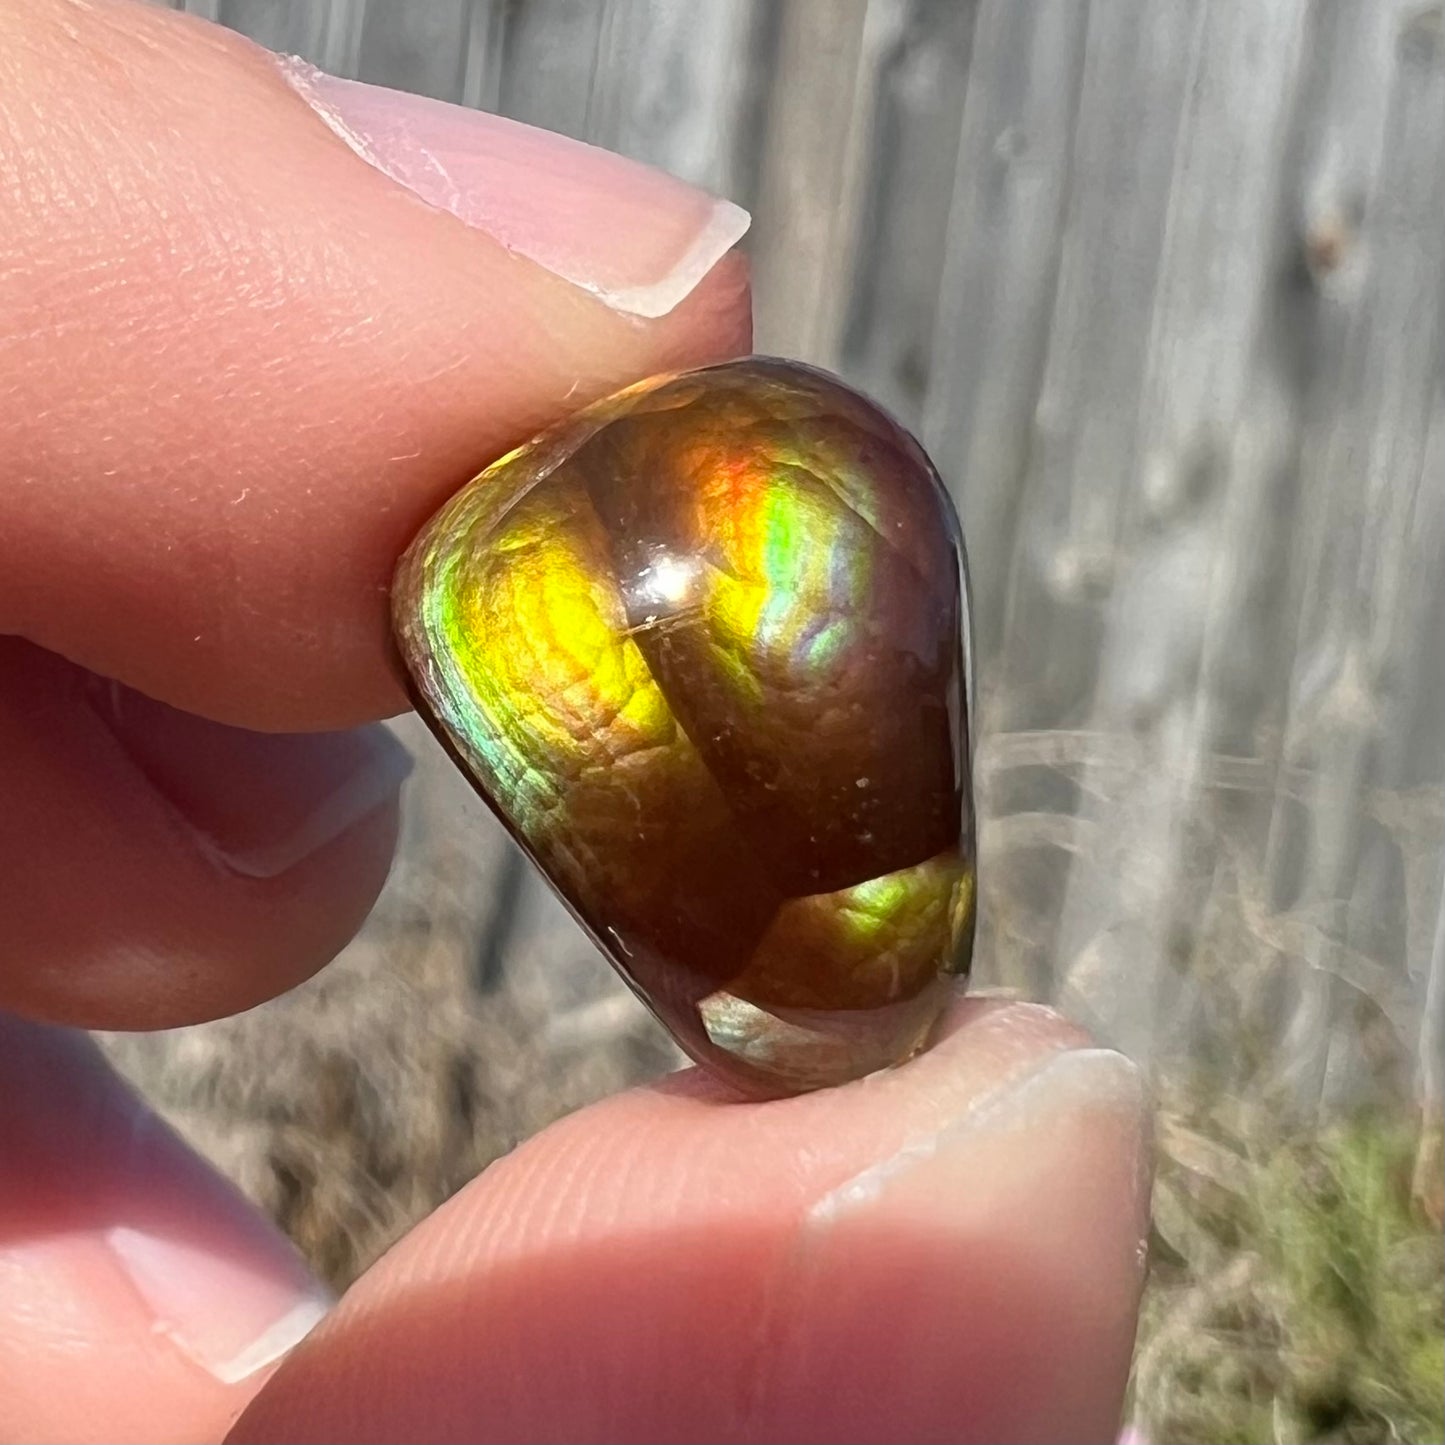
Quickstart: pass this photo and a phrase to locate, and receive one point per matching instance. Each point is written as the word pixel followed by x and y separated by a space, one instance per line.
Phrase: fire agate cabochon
pixel 702 649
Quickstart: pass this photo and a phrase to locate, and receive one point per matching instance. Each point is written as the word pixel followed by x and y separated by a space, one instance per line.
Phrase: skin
pixel 228 398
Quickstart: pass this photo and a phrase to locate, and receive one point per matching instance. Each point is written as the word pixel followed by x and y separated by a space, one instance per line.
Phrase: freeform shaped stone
pixel 702 648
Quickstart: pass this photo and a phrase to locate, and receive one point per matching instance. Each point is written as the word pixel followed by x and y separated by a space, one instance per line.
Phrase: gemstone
pixel 703 649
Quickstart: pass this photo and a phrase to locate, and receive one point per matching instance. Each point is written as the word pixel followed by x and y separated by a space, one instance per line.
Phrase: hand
pixel 239 366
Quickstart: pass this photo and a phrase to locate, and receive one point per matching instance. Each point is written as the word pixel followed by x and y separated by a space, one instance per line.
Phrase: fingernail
pixel 117 1221
pixel 229 1318
pixel 1043 1105
pixel 635 237
pixel 257 804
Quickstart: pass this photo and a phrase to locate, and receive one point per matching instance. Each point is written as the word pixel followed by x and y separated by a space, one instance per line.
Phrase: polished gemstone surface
pixel 702 649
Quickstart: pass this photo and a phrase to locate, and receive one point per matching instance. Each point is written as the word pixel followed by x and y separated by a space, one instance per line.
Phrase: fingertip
pixel 716 320
pixel 1015 1233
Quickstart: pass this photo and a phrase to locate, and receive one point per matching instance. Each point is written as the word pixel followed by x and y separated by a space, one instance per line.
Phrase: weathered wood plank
pixel 997 285
pixel 1184 521
pixel 1371 542
pixel 814 155
pixel 892 293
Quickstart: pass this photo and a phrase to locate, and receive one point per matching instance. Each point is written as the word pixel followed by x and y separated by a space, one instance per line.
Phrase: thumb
pixel 950 1251
pixel 256 322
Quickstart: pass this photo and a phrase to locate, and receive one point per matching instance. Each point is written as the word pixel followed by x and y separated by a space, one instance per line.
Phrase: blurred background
pixel 1161 285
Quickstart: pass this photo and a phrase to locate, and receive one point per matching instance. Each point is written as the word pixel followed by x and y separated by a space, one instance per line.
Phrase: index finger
pixel 243 365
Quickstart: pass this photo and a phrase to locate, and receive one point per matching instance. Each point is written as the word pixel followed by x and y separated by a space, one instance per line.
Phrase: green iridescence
pixel 680 651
